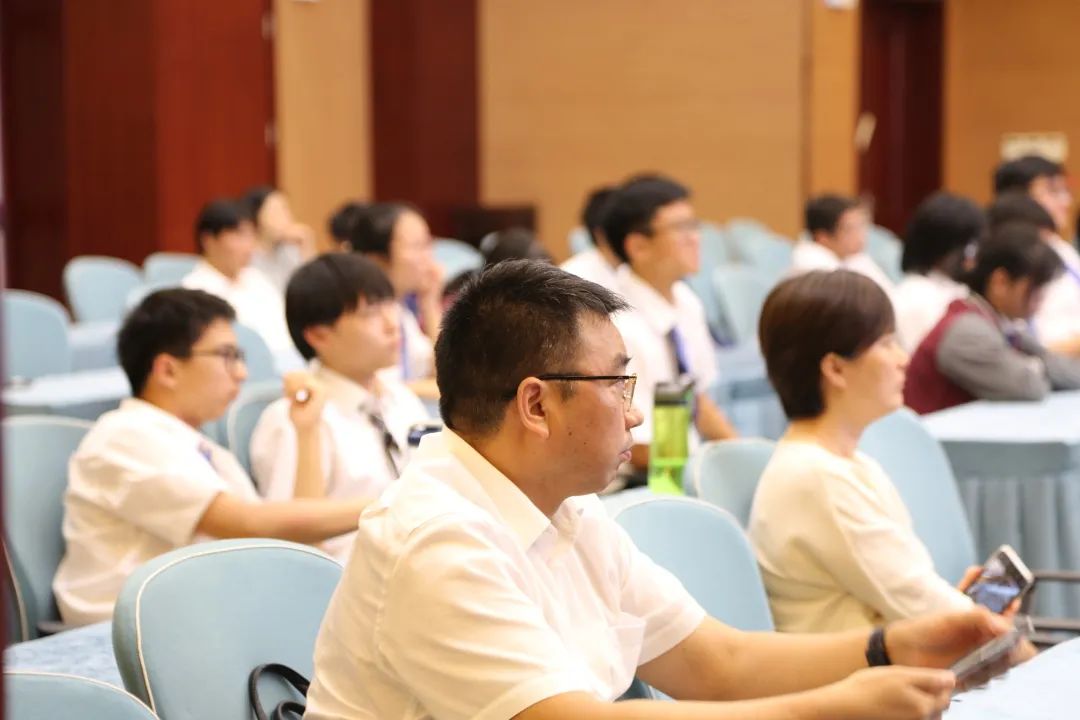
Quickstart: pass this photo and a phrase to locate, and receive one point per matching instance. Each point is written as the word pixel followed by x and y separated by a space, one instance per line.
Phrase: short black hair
pixel 515 243
pixel 1017 249
pixel 325 288
pixel 515 319
pixel 216 217
pixel 1018 174
pixel 592 215
pixel 633 205
pixel 252 200
pixel 942 226
pixel 810 316
pixel 1017 206
pixel 373 229
pixel 822 213
pixel 167 321
pixel 344 219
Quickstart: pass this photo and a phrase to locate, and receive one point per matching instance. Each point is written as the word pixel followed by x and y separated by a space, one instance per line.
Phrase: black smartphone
pixel 1003 579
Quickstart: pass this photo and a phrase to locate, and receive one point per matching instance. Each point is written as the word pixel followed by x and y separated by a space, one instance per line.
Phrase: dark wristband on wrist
pixel 876 654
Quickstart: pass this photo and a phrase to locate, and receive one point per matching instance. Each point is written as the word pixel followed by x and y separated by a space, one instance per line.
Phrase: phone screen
pixel 997 586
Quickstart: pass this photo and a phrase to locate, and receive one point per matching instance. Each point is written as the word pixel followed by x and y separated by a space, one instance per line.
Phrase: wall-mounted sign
pixel 1050 145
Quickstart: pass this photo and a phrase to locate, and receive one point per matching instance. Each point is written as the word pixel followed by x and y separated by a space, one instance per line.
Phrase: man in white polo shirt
pixel 488 582
pixel 344 319
pixel 651 225
pixel 599 263
pixel 144 480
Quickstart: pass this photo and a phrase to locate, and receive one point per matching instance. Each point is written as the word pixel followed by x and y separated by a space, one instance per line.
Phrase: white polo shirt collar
pixel 660 315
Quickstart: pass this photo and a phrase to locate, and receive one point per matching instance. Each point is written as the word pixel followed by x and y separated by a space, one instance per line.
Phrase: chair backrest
pixel 578 240
pixel 32 695
pixel 886 250
pixel 918 467
pixel 168 268
pixel 740 292
pixel 35 336
pixel 456 257
pixel 714 252
pixel 725 473
pixel 97 287
pixel 760 247
pixel 704 547
pixel 190 625
pixel 244 414
pixel 36 454
pixel 257 356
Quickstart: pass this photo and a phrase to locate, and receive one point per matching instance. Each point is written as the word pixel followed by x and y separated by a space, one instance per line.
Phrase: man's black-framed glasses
pixel 231 354
pixel 629 383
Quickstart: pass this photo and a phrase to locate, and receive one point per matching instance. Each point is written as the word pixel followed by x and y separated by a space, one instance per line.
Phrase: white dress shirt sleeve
pixel 147 484
pixel 460 632
pixel 880 561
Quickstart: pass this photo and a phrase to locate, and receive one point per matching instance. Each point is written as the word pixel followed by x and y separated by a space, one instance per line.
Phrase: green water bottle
pixel 672 409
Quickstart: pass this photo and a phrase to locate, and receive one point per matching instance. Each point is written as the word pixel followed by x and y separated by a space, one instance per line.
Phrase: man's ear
pixel 164 370
pixel 636 245
pixel 833 369
pixel 529 405
pixel 315 336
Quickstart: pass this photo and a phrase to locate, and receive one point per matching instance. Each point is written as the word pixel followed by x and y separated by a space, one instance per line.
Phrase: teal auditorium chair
pixel 740 292
pixel 456 257
pixel 35 336
pixel 97 287
pixel 578 240
pixel 257 355
pixel 31 695
pixel 190 625
pixel 886 250
pixel 715 252
pixel 36 454
pixel 704 547
pixel 725 473
pixel 760 247
pixel 168 268
pixel 243 416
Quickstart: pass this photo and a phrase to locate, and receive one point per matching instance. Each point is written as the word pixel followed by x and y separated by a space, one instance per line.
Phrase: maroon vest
pixel 926 388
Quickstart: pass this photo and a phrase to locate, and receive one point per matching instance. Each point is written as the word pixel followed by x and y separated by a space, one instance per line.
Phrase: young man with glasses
pixel 650 224
pixel 144 480
pixel 344 320
pixel 489 582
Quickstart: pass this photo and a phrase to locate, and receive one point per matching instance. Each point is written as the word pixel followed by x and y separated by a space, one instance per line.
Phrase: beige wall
pixel 1009 67
pixel 714 92
pixel 833 99
pixel 322 89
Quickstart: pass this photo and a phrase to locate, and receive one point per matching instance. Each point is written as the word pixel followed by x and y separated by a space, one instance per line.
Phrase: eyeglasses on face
pixel 679 227
pixel 231 354
pixel 629 383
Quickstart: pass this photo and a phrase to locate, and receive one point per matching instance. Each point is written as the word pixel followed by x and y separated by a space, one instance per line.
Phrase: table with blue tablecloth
pixel 86 394
pixel 1018 468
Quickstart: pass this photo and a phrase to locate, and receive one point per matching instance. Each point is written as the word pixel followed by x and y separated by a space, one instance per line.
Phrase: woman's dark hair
pixel 810 316
pixel 942 226
pixel 1017 249
pixel 373 229
pixel 1017 206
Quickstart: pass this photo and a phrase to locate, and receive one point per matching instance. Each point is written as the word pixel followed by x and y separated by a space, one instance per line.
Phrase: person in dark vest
pixel 982 348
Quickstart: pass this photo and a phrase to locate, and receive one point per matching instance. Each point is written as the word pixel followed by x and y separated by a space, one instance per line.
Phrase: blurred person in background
pixel 284 244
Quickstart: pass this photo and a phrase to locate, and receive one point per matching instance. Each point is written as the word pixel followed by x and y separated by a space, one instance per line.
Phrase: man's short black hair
pixel 942 226
pixel 344 219
pixel 1017 249
pixel 810 316
pixel 374 229
pixel 633 205
pixel 167 321
pixel 822 213
pixel 216 217
pixel 325 288
pixel 592 215
pixel 1017 206
pixel 516 319
pixel 1018 174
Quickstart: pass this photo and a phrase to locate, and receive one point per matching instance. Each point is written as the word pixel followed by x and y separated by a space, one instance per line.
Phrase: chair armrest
pixel 1056 624
pixel 1065 576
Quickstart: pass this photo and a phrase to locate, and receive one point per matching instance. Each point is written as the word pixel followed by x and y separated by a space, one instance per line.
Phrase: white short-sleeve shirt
pixel 809 255
pixel 354 457
pixel 591 265
pixel 138 486
pixel 645 329
pixel 1058 317
pixel 836 547
pixel 463 600
pixel 258 304
pixel 920 301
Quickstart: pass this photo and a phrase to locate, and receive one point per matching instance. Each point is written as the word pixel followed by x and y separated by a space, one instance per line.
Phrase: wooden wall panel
pixel 322 89
pixel 1009 66
pixel 833 70
pixel 573 94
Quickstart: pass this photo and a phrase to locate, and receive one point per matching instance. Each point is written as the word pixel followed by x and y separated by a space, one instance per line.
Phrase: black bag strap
pixel 290 676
